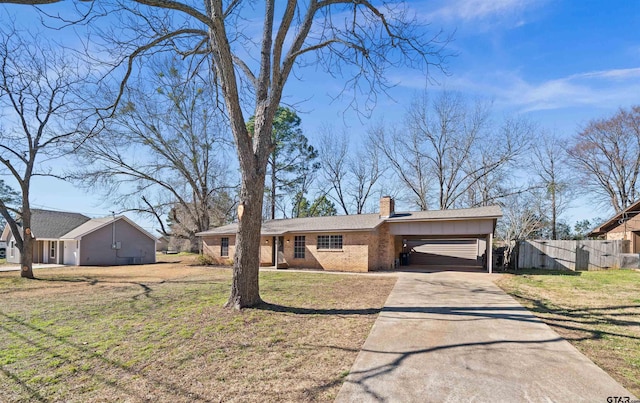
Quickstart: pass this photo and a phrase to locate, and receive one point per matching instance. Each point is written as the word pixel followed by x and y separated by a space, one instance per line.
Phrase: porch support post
pixel 490 253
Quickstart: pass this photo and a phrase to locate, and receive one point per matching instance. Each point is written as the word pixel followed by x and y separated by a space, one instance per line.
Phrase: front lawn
pixel 597 311
pixel 159 333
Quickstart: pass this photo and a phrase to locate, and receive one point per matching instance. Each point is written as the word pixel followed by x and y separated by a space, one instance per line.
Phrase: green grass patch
pixel 160 333
pixel 597 311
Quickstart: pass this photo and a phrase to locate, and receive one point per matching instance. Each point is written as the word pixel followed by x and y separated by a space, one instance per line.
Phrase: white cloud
pixel 480 15
pixel 605 88
pixel 600 89
pixel 617 74
pixel 470 10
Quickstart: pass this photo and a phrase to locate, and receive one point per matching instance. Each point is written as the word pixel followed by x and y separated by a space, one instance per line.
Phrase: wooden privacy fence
pixel 571 255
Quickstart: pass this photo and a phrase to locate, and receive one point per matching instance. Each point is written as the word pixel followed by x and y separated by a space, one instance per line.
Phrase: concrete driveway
pixel 457 337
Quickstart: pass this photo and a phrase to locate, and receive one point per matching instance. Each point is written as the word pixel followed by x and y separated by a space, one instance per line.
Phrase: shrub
pixel 205 260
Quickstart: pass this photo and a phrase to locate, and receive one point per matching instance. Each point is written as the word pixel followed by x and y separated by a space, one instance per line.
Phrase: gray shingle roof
pixel 46 224
pixel 358 222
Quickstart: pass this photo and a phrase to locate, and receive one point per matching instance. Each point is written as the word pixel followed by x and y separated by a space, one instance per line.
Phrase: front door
pixel 280 251
pixel 278 243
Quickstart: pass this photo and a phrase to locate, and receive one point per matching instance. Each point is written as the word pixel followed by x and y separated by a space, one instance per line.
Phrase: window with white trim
pixel 52 249
pixel 332 242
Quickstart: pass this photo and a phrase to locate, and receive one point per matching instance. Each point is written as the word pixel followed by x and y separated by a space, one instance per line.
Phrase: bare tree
pixel 493 175
pixel 605 155
pixel 549 162
pixel 403 151
pixel 523 216
pixel 39 98
pixel 352 39
pixel 351 178
pixel 366 170
pixel 449 152
pixel 162 153
pixel 334 164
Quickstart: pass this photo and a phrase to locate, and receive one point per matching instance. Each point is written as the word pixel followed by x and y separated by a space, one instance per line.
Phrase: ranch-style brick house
pixel 369 242
pixel 75 239
pixel 624 225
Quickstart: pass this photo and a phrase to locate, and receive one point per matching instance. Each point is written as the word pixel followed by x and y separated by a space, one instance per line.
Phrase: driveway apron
pixel 457 337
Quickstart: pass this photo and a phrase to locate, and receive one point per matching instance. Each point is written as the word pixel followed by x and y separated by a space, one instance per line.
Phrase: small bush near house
pixel 597 311
pixel 205 260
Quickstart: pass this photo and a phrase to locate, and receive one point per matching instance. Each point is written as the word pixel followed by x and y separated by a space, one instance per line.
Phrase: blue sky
pixel 557 63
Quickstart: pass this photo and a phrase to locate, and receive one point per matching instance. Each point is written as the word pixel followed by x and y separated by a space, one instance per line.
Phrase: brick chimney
pixel 387 207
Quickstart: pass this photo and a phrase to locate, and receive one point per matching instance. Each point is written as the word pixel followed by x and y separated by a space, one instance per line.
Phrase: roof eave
pixel 494 217
pixel 613 221
pixel 281 233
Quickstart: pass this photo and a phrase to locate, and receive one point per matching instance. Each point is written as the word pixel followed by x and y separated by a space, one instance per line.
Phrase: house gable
pixel 115 243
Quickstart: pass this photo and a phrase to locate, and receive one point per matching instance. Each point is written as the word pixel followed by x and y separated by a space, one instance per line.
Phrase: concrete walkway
pixel 16 267
pixel 456 337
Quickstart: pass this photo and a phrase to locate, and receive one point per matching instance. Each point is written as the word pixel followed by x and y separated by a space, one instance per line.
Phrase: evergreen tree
pixel 291 160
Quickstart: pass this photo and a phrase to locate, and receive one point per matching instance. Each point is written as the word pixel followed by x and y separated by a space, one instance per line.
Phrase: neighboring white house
pixel 77 240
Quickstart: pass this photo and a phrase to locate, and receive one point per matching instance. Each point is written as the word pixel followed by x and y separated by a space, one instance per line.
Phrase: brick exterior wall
pixel 387 207
pixel 626 232
pixel 211 245
pixel 353 257
pixel 361 251
pixel 384 249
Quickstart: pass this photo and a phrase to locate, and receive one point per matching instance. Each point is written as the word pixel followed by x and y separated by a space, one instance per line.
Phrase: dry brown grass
pixel 159 333
pixel 598 312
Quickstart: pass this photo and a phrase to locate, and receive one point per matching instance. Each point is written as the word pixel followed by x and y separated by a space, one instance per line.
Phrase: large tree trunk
pixel 26 252
pixel 245 290
pixel 194 242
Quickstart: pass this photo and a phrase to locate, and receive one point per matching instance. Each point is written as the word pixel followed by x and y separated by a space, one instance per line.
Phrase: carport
pixel 446 239
pixel 462 252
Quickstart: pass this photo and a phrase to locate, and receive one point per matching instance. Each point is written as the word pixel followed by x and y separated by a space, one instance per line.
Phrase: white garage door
pixel 443 252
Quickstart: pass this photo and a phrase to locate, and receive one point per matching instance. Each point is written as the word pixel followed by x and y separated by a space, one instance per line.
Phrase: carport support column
pixel 489 253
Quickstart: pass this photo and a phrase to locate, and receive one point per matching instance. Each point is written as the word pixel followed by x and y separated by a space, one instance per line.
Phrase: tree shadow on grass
pixel 54 345
pixel 583 319
pixel 266 306
pixel 34 395
pixel 544 272
pixel 360 377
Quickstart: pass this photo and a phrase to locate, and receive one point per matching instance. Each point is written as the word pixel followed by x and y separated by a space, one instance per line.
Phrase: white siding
pixel 71 253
